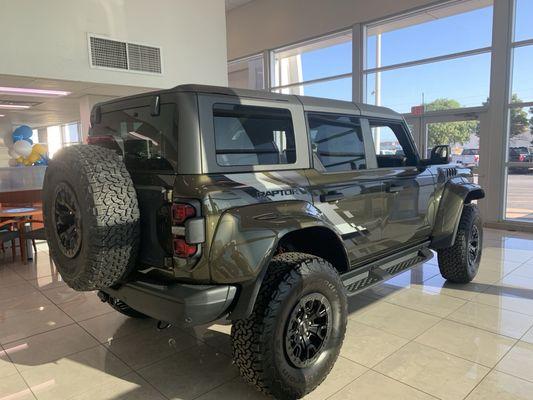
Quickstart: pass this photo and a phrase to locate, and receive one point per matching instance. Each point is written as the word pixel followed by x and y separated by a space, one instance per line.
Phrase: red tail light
pixel 182 249
pixel 182 212
pixel 522 157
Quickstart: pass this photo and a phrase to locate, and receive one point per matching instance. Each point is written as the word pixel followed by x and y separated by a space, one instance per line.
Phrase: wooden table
pixel 21 214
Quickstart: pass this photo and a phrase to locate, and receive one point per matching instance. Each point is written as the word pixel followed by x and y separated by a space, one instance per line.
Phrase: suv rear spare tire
pixel 91 216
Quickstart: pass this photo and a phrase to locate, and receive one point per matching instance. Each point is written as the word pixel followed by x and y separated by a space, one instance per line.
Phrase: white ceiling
pixel 58 110
pixel 231 4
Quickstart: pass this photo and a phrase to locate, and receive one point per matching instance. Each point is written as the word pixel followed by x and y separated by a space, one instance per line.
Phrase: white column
pixel 493 128
pixel 358 57
pixel 86 104
pixel 377 89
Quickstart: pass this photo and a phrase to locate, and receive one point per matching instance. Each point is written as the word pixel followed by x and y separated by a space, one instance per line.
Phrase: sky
pixel 464 79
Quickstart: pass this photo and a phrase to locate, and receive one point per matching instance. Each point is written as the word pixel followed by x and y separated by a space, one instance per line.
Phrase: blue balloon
pixel 29 141
pixel 21 133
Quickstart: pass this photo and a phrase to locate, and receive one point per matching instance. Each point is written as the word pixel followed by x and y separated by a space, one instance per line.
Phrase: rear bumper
pixel 179 304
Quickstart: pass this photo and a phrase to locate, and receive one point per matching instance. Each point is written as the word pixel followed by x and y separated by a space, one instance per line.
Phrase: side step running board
pixel 369 275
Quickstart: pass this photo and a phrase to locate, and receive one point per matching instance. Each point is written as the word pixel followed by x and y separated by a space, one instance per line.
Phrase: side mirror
pixel 440 154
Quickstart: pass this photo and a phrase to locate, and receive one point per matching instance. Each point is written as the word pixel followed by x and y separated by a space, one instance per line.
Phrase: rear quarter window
pixel 147 142
pixel 251 135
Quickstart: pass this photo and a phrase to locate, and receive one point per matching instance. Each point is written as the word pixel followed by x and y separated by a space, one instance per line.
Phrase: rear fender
pixel 457 192
pixel 246 239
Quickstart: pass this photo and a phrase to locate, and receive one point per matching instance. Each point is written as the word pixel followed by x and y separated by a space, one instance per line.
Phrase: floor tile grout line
pixel 19 372
pixel 109 339
pixel 348 384
pixel 410 340
pixel 218 386
pixel 99 344
pixel 453 355
pixel 484 329
pixel 495 365
pixel 439 319
pixel 37 334
pixel 406 384
pixel 511 348
pixel 439 316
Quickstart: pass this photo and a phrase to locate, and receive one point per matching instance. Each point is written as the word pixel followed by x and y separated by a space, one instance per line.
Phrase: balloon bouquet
pixel 22 150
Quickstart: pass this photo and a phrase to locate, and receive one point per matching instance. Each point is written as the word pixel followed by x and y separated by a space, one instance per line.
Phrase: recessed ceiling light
pixel 33 92
pixel 2 115
pixel 14 106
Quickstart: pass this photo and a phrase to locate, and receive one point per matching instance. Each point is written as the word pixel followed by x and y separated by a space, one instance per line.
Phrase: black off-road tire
pixel 454 262
pixel 259 341
pixel 91 186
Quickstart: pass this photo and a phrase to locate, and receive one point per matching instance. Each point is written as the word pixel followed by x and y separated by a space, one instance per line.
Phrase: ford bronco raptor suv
pixel 199 203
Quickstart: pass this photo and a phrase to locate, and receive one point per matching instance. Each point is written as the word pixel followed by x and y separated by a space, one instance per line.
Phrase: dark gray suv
pixel 199 203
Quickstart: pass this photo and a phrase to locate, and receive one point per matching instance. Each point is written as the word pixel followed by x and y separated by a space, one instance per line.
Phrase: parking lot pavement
pixel 520 196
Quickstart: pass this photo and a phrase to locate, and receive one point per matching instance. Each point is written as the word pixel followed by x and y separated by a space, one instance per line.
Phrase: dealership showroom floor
pixel 413 337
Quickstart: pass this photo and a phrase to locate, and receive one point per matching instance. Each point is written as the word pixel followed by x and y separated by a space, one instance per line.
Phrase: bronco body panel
pixel 383 205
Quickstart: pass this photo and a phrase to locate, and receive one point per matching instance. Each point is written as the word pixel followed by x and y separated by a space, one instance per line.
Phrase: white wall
pixel 48 38
pixel 5 127
pixel 267 24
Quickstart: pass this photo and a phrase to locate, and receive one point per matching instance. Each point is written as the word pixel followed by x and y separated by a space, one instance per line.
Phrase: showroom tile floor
pixel 414 337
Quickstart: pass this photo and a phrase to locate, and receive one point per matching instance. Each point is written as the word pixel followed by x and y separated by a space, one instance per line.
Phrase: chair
pixel 8 234
pixel 33 235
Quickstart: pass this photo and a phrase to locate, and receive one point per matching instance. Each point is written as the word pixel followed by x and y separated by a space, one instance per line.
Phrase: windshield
pixel 146 141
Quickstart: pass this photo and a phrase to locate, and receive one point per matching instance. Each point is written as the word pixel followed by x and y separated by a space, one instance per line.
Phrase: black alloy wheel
pixel 308 329
pixel 67 220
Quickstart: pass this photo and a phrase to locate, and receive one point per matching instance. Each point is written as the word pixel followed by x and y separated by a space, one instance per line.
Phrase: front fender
pixel 245 241
pixel 456 193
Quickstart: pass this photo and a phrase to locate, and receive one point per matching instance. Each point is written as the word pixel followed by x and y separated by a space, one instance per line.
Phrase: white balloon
pixel 22 147
pixel 12 153
pixel 8 139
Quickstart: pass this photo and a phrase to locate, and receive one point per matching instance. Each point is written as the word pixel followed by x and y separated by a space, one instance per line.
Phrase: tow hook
pixel 163 325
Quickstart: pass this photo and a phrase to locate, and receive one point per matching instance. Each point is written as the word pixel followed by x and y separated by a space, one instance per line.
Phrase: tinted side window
pixel 249 135
pixel 337 141
pixel 393 148
pixel 146 141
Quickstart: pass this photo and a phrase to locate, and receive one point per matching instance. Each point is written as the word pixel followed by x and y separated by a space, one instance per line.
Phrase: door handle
pixel 394 188
pixel 331 196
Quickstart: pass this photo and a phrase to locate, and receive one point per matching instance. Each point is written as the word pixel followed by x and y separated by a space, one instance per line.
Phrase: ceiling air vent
pixel 144 58
pixel 108 53
pixel 114 54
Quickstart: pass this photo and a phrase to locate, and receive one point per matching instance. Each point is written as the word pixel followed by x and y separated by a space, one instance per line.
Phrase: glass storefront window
pixel 461 136
pixel 520 164
pixel 319 59
pixel 522 85
pixel 523 28
pixel 338 89
pixel 402 88
pixel 247 73
pixel 455 28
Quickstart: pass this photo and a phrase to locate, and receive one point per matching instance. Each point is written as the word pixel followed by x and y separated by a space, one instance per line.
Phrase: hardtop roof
pixel 308 102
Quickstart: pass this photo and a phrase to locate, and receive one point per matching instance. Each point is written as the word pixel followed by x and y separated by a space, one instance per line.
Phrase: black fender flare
pixel 456 193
